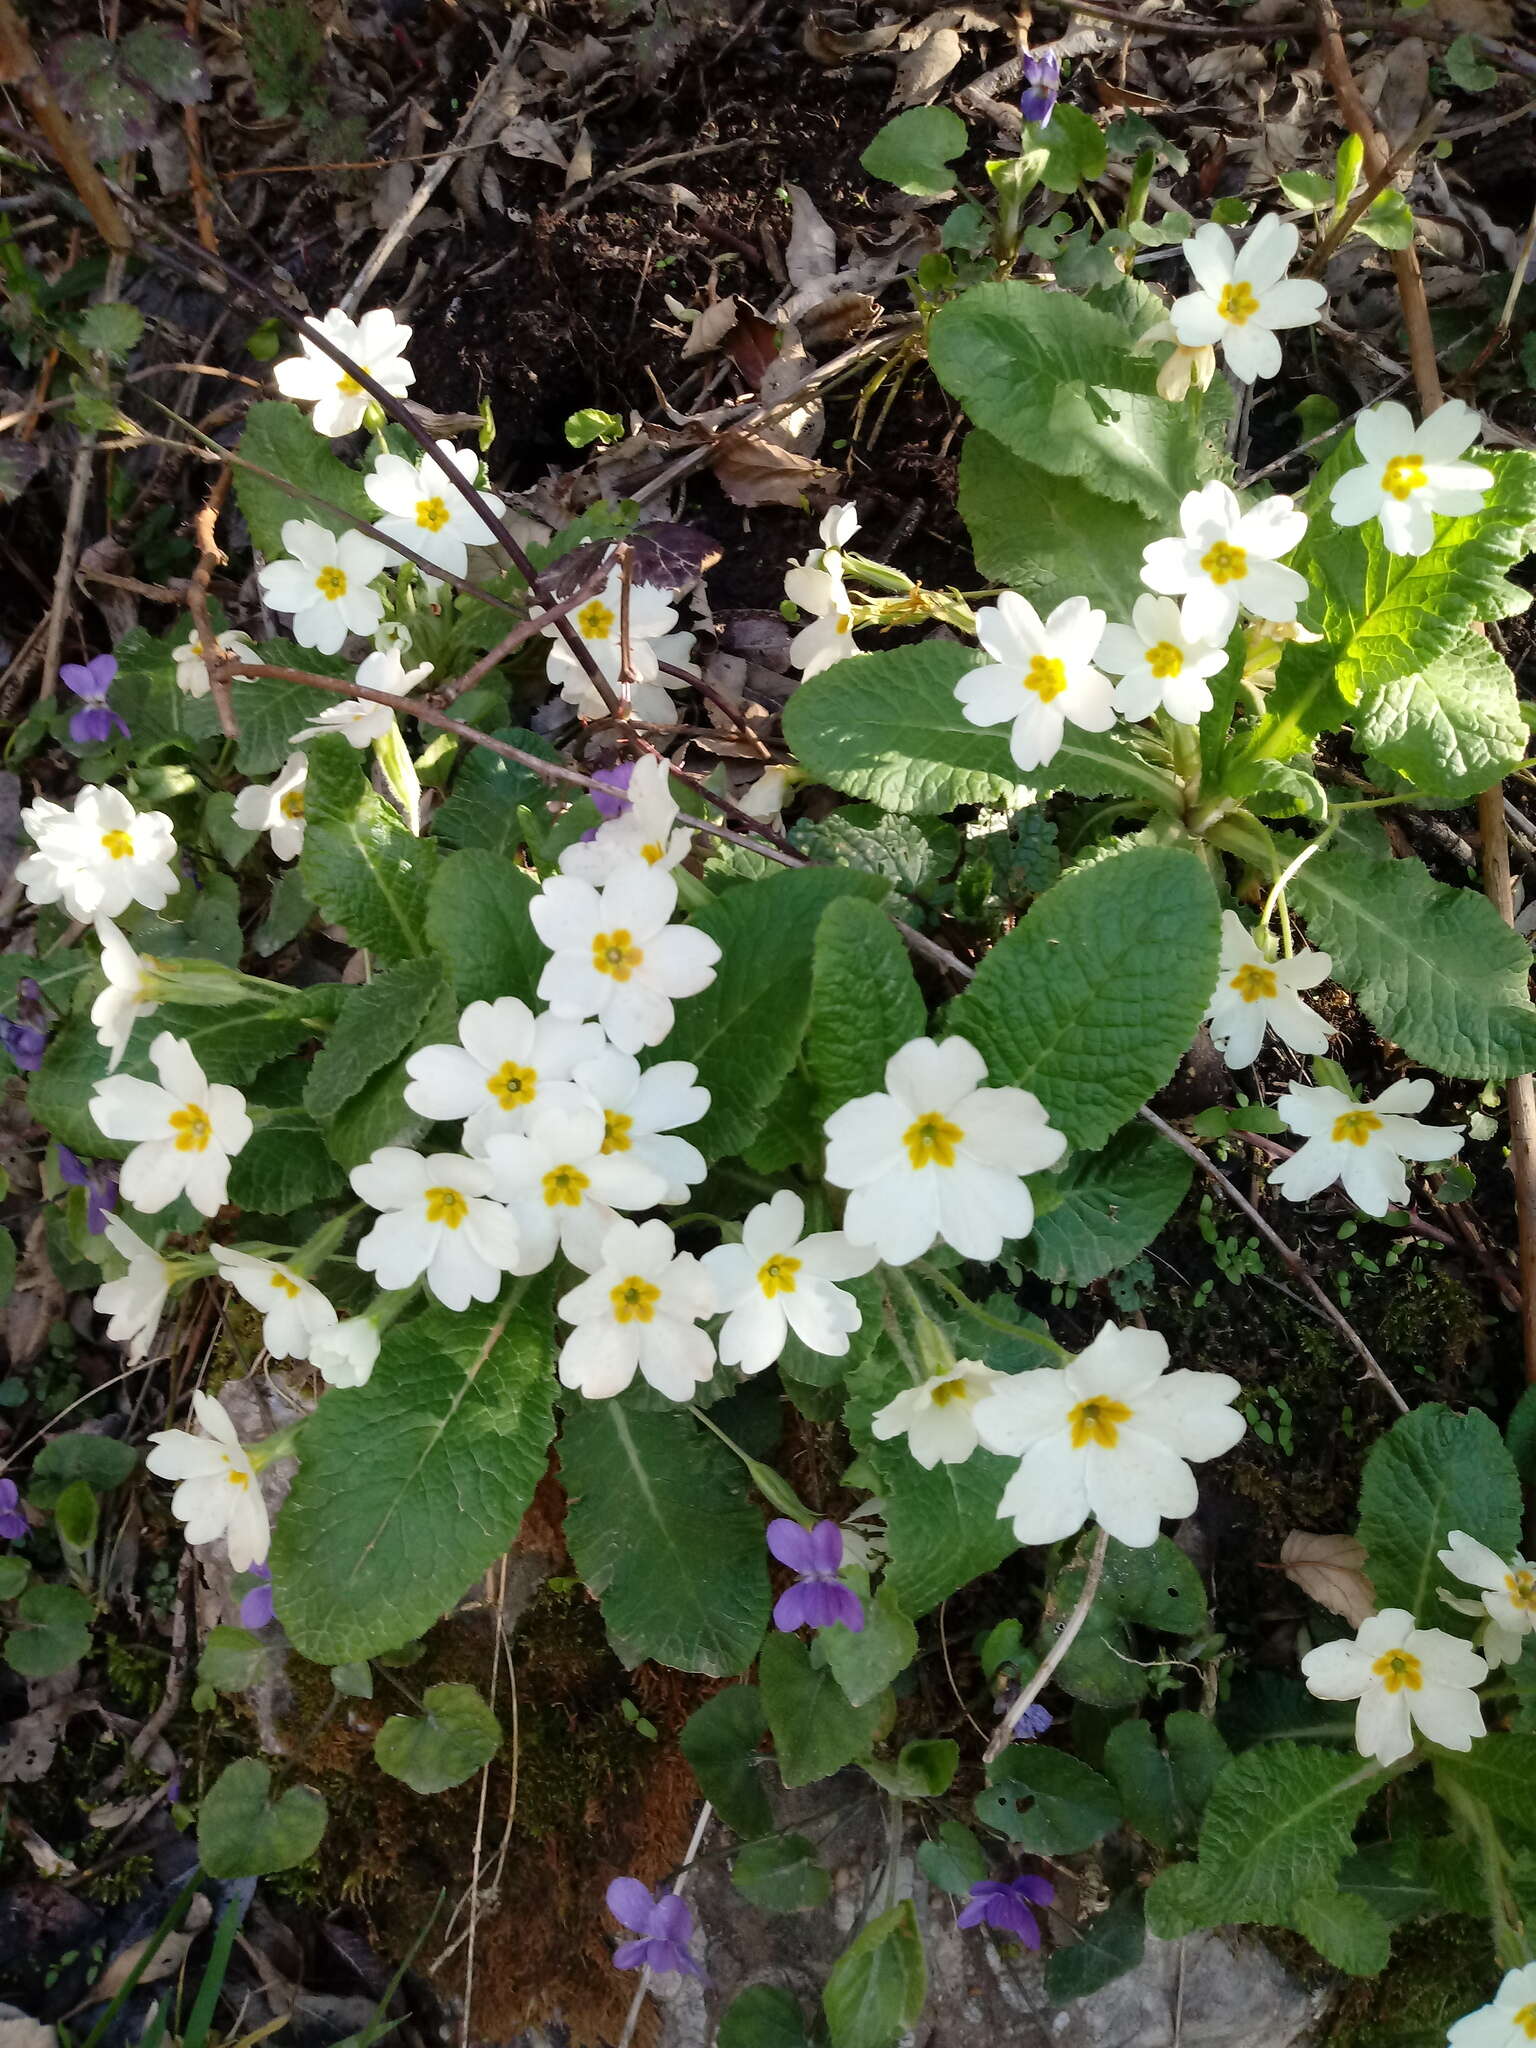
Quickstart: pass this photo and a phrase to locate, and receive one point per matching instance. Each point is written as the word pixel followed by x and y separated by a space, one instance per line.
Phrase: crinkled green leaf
pixel 478 923
pixel 1345 1929
pixel 1108 1206
pixel 1091 546
pixel 487 790
pixel 455 1735
pixel 269 713
pixel 1500 1770
pixel 910 854
pixel 360 864
pixel 278 437
pixel 285 1166
pixel 1049 1803
pixel 1434 1471
pixel 376 1024
pixel 865 1002
pixel 1453 729
pixel 878 1986
pixel 815 1730
pixel 243 1833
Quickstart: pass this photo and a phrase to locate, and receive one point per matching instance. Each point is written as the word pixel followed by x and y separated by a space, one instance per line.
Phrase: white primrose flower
pixel 777 1281
pixel 326 582
pixel 939 1155
pixel 560 1182
pixel 100 856
pixel 646 830
pixel 136 1301
pixel 766 798
pixel 598 624
pixel 616 955
pixel 1404 1678
pixel 1362 1145
pixel 639 1312
pixel 376 343
pixel 1184 369
pixel 1508 2022
pixel 192 668
pixel 293 1310
pixel 1244 295
pixel 1254 992
pixel 938 1419
pixel 219 1493
pixel 1041 676
pixel 1408 474
pixel 816 586
pixel 420 508
pixel 185 1131
pixel 641 1110
pixel 1111 1434
pixel 1226 559
pixel 277 808
pixel 1508 1602
pixel 437 1221
pixel 1159 666
pixel 494 1075
pixel 346 1353
pixel 359 721
pixel 131 991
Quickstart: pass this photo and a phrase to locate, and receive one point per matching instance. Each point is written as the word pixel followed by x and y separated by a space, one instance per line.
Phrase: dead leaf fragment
pixel 921 71
pixel 753 471
pixel 527 136
pixel 711 328
pixel 812 250
pixel 1331 1571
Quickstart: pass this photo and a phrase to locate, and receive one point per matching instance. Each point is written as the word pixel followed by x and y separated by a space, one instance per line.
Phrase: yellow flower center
pixel 1520 1585
pixel 292 805
pixel 943 1392
pixel 616 1130
pixel 446 1205
pixel 843 623
pixel 1237 303
pixel 1224 563
pixel 1354 1127
pixel 653 852
pixel 348 386
pixel 1045 677
pixel 1404 475
pixel 238 1478
pixel 192 1128
pixel 1165 660
pixel 118 844
pixel 634 1300
pixel 1399 1671
pixel 778 1275
pixel 281 1284
pixel 614 953
pixel 564 1187
pixel 331 582
pixel 431 514
pixel 595 621
pixel 1525 2020
pixel 1255 984
pixel 931 1141
pixel 1098 1422
pixel 514 1087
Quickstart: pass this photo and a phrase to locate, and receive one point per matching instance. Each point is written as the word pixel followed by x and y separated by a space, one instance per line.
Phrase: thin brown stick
pixel 197 169
pixel 1500 333
pixel 1292 1258
pixel 518 635
pixel 1405 262
pixel 1029 1693
pixel 1373 188
pixel 19 66
pixel 209 557
pixel 1499 888
pixel 1510 56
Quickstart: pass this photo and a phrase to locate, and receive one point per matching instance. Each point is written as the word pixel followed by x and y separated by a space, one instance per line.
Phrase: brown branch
pixel 1029 1693
pixel 1373 188
pixel 197 170
pixel 19 66
pixel 1499 889
pixel 520 633
pixel 1500 333
pixel 209 557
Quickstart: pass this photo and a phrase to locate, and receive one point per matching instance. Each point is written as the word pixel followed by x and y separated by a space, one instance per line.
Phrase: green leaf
pixel 743 1032
pixel 911 854
pixel 101 1461
pixel 1153 1588
pixel 166 60
pixel 1467 68
pixel 1388 221
pixel 1047 1802
pixel 1095 996
pixel 410 1487
pixel 888 727
pixel 721 1741
pixel 1075 148
pixel 280 438
pixel 865 1003
pixel 110 327
pixel 914 151
pixel 1435 968
pixel 241 1833
pixel 289 910
pixel 1306 188
pixel 1108 1206
pixel 923 1770
pixel 815 1730
pixel 1500 1770
pixel 878 1985
pixel 1454 729
pixel 1056 381
pixel 1143 1777
pixel 942 1526
pixel 1390 1877
pixel 366 872
pixel 1346 1931
pixel 285 1166
pixel 1434 1471
pixel 455 1736
pixel 487 792
pixel 355 1681
pixel 865 1661
pixel 762 2016
pixel 953 1860
pixel 478 922
pixel 231 1659
pixel 376 1024
pixel 662 1532
pixel 593 424
pixel 780 1874
pixel 52 1631
pixel 14 1573
pixel 1107 1946
pixel 1198 1754
pixel 76 1516
pixel 1091 546
pixel 270 713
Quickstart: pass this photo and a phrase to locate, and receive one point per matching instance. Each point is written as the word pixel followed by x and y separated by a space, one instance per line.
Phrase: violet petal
pixel 631 1904
pixel 792 1545
pixel 827 1547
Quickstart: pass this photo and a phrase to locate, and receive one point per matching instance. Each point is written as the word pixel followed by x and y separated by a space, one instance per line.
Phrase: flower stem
pixel 992 1322
pixel 1029 1693
pixel 776 1491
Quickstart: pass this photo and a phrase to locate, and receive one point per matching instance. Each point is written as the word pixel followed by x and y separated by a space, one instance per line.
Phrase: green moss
pixel 1440 1969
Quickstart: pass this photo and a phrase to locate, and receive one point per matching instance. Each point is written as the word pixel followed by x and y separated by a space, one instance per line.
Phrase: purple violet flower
pixel 256 1607
pixel 609 791
pixel 99 1180
pixel 1032 1723
pixel 818 1598
pixel 13 1524
pixel 95 720
pixel 1007 1907
pixel 663 1922
pixel 26 1044
pixel 1042 85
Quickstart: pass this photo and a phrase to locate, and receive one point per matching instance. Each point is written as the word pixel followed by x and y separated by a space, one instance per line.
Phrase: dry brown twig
pixel 1499 888
pixel 1029 1693
pixel 209 556
pixel 19 66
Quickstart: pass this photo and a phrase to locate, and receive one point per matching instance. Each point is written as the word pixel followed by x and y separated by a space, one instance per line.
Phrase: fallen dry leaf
pixel 527 136
pixel 1330 1570
pixel 812 250
pixel 710 329
pixel 922 70
pixel 831 46
pixel 753 471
